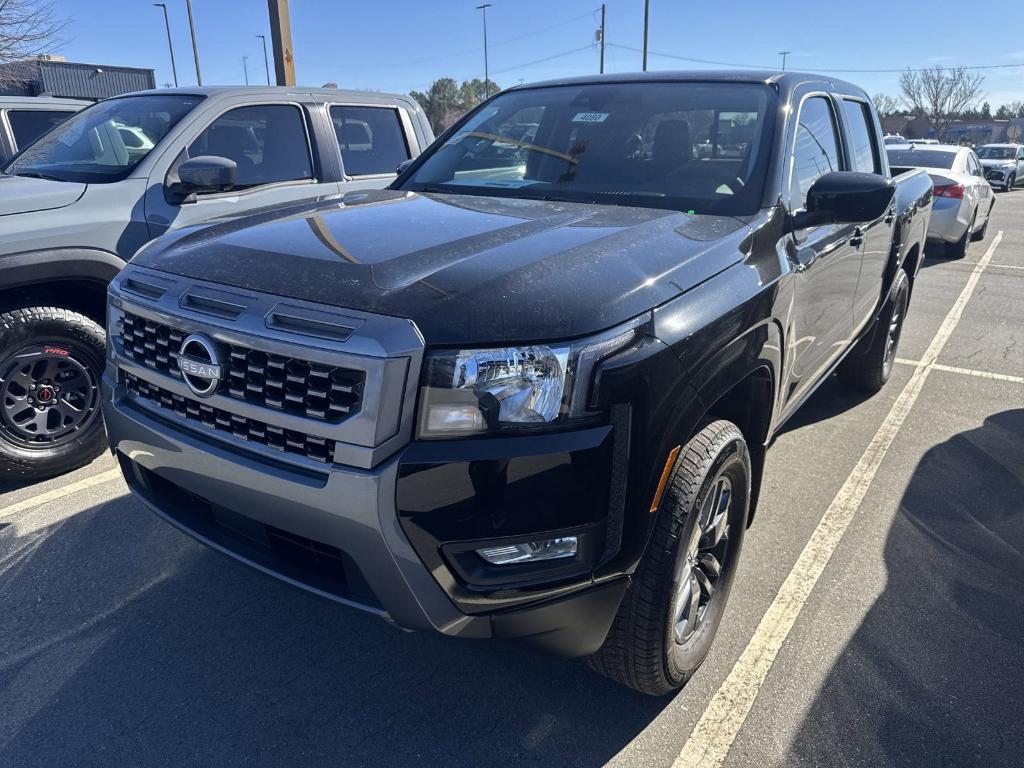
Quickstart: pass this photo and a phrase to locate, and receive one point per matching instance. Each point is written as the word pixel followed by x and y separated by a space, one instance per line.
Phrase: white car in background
pixel 963 198
pixel 1003 164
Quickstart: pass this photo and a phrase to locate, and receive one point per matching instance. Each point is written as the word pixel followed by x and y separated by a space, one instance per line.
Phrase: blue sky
pixel 399 45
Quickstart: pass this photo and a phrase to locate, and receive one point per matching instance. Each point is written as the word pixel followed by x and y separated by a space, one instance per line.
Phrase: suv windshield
pixel 677 145
pixel 996 153
pixel 105 142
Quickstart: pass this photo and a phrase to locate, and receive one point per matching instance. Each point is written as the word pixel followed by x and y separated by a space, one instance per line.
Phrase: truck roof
pixel 41 101
pixel 785 81
pixel 276 91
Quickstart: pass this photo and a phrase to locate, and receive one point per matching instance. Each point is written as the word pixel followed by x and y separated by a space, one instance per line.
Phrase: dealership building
pixel 53 76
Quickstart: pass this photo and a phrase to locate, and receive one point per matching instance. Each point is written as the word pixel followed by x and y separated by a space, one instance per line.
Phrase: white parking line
pixel 60 493
pixel 965 371
pixel 713 735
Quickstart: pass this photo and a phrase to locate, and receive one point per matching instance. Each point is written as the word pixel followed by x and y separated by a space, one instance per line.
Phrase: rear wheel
pixel 958 250
pixel 50 365
pixel 869 365
pixel 669 616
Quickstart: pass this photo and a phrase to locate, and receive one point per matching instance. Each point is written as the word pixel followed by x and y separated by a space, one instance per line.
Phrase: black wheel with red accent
pixel 51 360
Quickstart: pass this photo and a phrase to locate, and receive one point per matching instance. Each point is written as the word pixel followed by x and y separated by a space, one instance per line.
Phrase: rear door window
pixel 29 124
pixel 371 139
pixel 268 142
pixel 860 128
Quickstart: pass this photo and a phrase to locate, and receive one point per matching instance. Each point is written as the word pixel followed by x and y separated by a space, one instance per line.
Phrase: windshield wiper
pixel 37 175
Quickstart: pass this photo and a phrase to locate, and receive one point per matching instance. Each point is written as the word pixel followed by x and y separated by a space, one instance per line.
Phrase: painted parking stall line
pixel 965 371
pixel 60 493
pixel 712 737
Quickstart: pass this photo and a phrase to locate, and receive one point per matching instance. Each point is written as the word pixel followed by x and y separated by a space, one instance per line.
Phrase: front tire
pixel 869 365
pixel 51 360
pixel 669 616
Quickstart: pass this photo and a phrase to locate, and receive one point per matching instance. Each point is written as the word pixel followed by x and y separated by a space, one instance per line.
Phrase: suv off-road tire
pixel 869 365
pixel 70 337
pixel 642 650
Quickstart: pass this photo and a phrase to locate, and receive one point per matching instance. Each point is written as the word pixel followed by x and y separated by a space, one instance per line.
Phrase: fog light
pixel 530 551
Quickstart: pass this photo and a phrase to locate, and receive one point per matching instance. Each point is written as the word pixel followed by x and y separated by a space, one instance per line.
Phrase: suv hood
pixel 998 163
pixel 466 269
pixel 21 194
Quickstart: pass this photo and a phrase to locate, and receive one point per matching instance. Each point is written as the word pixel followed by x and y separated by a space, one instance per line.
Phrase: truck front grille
pixel 291 385
pixel 285 440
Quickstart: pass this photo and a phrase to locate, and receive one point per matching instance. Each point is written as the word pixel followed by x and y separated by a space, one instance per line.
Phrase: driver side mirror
pixel 403 167
pixel 203 174
pixel 845 197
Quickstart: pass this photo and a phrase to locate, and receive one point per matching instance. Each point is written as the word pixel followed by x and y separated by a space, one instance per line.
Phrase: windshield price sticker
pixel 590 117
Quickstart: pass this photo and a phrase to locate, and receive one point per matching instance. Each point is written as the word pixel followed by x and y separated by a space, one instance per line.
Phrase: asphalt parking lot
pixel 877 617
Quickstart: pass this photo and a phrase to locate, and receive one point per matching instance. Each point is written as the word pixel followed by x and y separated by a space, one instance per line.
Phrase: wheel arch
pixel 74 279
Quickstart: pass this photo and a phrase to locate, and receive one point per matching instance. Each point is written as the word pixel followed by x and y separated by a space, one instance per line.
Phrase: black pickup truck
pixel 526 391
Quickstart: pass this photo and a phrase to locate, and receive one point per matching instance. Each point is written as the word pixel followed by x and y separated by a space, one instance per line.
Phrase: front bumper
pixel 379 537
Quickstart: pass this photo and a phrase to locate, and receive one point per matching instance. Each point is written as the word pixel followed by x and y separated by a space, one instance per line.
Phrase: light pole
pixel 195 49
pixel 266 62
pixel 602 38
pixel 245 68
pixel 487 77
pixel 784 54
pixel 170 45
pixel 647 18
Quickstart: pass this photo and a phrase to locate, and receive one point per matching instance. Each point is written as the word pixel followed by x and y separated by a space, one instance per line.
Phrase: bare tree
pixel 887 105
pixel 939 95
pixel 28 28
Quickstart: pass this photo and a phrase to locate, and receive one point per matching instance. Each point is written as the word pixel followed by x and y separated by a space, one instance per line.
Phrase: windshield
pixel 920 158
pixel 683 146
pixel 997 153
pixel 105 142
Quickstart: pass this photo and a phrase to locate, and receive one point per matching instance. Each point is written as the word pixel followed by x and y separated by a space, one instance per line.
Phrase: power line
pixel 587 47
pixel 816 69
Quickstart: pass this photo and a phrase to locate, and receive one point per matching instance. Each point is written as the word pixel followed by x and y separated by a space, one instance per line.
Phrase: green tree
pixel 446 101
pixel 986 111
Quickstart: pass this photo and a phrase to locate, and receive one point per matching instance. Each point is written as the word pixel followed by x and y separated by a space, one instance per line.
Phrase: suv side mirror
pixel 206 173
pixel 845 197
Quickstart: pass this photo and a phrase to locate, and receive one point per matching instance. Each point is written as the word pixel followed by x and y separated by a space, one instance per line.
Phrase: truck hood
pixel 20 194
pixel 465 269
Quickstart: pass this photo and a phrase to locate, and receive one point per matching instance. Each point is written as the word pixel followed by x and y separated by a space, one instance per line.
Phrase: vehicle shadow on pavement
pixel 935 673
pixel 832 398
pixel 122 642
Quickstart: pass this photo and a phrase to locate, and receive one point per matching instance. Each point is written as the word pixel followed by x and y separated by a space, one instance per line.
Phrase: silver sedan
pixel 963 198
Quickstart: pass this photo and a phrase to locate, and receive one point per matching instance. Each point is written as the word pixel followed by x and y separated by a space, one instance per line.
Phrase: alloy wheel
pixel 48 395
pixel 701 560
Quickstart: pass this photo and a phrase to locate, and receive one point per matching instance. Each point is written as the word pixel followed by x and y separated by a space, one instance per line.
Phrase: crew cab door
pixel 271 144
pixel 826 259
pixel 863 154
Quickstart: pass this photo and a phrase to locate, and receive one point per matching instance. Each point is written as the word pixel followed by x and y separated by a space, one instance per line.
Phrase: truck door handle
pixel 890 217
pixel 857 238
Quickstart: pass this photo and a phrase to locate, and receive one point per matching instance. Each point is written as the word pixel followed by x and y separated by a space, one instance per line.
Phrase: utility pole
pixel 784 54
pixel 487 75
pixel 601 34
pixel 195 49
pixel 281 37
pixel 170 45
pixel 266 62
pixel 647 18
pixel 245 68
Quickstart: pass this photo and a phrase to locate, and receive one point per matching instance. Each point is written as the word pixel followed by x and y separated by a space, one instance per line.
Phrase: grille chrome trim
pixel 384 353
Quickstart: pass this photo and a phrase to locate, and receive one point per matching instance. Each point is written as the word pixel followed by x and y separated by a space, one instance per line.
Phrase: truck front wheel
pixel 50 365
pixel 669 616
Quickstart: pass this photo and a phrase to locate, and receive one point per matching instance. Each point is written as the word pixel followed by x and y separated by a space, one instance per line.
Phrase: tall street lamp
pixel 170 45
pixel 245 68
pixel 195 48
pixel 784 54
pixel 266 61
pixel 487 77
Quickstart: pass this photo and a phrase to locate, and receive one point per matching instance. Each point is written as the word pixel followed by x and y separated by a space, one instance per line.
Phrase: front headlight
pixel 472 391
